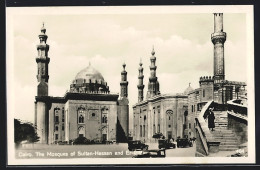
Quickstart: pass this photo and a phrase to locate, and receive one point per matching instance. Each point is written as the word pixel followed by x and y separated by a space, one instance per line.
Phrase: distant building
pixel 158 113
pixel 88 109
pixel 174 115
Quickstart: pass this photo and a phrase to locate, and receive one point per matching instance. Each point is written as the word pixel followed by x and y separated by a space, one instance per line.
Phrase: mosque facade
pixel 173 115
pixel 88 109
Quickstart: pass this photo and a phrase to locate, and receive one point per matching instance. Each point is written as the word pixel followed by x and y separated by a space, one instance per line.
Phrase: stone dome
pixel 90 73
pixel 89 80
pixel 188 89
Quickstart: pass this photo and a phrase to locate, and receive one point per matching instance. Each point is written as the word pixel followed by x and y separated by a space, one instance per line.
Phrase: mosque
pixel 88 109
pixel 173 115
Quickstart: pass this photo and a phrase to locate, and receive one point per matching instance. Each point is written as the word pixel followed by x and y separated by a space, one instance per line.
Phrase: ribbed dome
pixel 89 73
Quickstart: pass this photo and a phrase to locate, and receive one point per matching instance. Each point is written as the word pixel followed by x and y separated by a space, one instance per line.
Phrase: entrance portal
pixel 81 131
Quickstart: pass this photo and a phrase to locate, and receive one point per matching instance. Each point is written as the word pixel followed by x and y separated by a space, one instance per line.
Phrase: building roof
pixel 90 73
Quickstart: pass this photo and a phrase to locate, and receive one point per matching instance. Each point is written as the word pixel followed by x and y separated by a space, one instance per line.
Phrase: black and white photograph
pixel 130 85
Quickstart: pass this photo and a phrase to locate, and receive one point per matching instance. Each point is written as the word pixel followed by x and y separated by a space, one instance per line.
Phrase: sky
pixel 182 44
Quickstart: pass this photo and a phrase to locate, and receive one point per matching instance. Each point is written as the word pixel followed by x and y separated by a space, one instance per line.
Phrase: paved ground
pixel 93 151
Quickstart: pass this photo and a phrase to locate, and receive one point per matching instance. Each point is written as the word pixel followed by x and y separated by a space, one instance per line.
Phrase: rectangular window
pixel 154 129
pixel 56 136
pixel 62 127
pixel 189 125
pixel 203 92
pixel 158 128
pixel 141 131
pixel 169 126
pixel 144 131
pixel 57 119
pixel 56 128
pixel 62 115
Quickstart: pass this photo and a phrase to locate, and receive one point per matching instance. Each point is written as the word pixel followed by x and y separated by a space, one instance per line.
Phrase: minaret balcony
pixel 153 67
pixel 43 46
pixel 140 86
pixel 218 37
pixel 152 79
pixel 124 83
pixel 141 77
pixel 43 60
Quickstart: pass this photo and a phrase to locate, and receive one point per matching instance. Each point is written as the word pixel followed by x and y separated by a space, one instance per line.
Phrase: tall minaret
pixel 140 85
pixel 41 104
pixel 124 83
pixel 153 85
pixel 218 38
pixel 123 110
pixel 42 63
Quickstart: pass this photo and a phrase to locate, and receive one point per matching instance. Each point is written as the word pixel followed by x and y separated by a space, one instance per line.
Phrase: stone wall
pixel 239 127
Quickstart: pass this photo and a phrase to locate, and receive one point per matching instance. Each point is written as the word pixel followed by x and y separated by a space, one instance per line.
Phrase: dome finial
pixel 153 52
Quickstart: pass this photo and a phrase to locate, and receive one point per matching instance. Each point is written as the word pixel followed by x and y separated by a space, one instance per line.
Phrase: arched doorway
pixel 81 131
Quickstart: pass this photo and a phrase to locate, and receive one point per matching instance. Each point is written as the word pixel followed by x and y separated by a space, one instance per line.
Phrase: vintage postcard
pixel 124 84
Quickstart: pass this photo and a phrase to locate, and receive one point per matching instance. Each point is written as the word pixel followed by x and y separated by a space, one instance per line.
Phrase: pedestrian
pixel 211 119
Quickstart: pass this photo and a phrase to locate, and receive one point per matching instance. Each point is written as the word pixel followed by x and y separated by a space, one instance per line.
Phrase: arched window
pixel 104 118
pixel 81 119
pixel 81 115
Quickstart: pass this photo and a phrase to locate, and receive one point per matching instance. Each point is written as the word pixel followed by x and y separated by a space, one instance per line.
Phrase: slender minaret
pixel 124 83
pixel 140 85
pixel 123 109
pixel 41 104
pixel 42 63
pixel 153 85
pixel 218 38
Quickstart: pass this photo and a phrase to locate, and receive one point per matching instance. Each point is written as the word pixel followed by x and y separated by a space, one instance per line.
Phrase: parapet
pixel 206 79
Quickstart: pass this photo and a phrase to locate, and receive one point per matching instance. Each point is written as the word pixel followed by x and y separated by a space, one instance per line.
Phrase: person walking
pixel 211 119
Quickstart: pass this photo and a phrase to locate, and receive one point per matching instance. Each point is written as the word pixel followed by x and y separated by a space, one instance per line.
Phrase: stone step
pixel 229 143
pixel 225 138
pixel 223 135
pixel 228 149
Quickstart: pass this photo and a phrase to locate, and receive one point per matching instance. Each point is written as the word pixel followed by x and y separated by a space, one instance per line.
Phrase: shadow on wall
pixel 120 135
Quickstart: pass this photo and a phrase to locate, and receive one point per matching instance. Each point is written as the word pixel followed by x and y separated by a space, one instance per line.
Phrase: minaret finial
pixel 153 52
pixel 124 65
pixel 140 61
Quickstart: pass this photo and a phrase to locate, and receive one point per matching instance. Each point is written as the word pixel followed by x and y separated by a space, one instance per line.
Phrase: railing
pixel 237 108
pixel 202 127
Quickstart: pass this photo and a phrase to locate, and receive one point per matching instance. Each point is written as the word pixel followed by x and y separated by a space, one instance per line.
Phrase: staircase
pixel 228 140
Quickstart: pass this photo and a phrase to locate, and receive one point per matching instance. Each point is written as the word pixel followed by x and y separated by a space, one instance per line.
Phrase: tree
pixel 24 131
